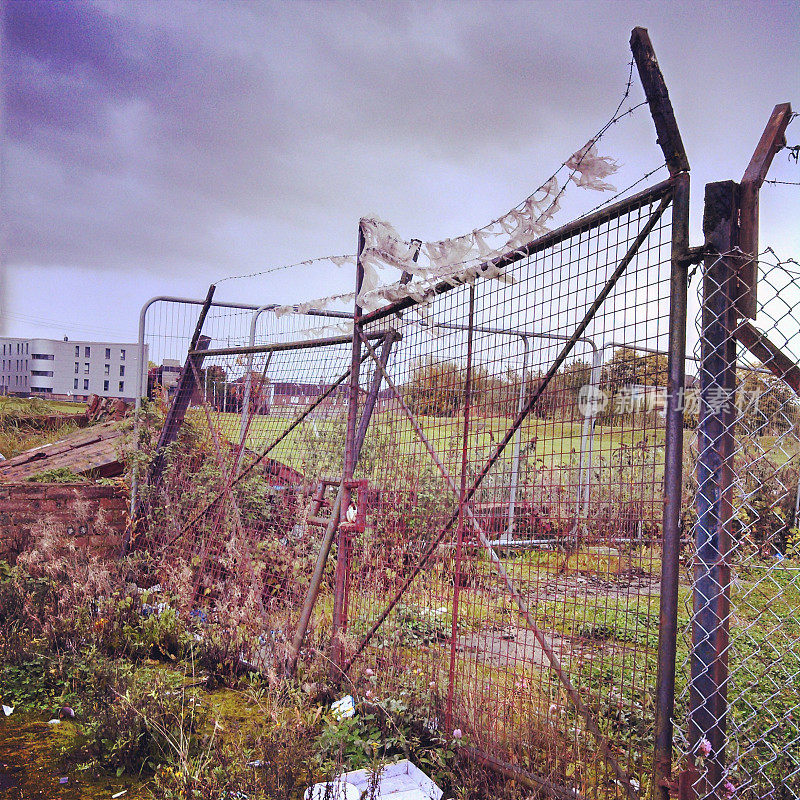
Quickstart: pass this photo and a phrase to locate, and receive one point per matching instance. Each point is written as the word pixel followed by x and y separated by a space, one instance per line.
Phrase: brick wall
pixel 92 516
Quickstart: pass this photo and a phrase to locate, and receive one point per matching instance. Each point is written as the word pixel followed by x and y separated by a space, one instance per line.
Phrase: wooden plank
pixel 769 354
pixel 107 430
pixel 772 140
pixel 655 89
pixel 85 451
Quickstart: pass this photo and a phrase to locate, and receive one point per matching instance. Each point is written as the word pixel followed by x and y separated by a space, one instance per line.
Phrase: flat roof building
pixel 71 370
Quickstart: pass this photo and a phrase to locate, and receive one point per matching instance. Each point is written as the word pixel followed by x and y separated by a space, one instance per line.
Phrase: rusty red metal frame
pixel 772 140
pixel 769 354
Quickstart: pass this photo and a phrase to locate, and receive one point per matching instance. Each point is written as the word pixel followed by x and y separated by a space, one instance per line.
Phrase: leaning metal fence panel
pixel 743 739
pixel 498 479
pixel 261 439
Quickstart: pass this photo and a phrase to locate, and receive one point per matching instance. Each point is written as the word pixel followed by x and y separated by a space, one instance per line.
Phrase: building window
pixel 121 355
pixel 43 357
pixel 108 352
pixel 86 368
pixel 86 385
pixel 105 386
pixel 107 369
pixel 122 386
pixel 87 351
pixel 76 367
pixel 75 384
pixel 42 373
pixel 122 371
pixel 77 351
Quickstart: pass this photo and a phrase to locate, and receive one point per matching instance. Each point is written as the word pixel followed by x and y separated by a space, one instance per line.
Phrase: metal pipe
pixel 673 489
pixel 451 675
pixel 512 495
pixel 587 438
pixel 249 376
pixel 302 344
pixel 339 621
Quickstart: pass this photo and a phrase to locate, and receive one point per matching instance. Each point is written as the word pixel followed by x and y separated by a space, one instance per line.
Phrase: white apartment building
pixel 71 370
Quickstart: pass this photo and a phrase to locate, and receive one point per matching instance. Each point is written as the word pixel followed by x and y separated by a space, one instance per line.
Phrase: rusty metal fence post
pixel 711 590
pixel 342 561
pixel 673 486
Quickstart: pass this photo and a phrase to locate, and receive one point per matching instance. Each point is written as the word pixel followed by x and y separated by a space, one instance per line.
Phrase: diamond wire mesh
pixel 582 541
pixel 762 739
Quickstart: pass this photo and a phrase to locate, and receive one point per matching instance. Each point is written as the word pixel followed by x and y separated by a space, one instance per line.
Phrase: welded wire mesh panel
pixel 226 505
pixel 755 751
pixel 505 458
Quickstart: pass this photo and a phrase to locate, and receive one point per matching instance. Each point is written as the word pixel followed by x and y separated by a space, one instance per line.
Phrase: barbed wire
pixel 623 192
pixel 306 262
pixel 616 117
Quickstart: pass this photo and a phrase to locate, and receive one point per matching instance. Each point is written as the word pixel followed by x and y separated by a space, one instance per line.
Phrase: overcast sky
pixel 152 148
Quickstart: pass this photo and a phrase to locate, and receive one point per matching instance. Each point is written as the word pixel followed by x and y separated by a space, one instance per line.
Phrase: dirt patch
pixel 510 645
pixel 630 583
pixel 505 645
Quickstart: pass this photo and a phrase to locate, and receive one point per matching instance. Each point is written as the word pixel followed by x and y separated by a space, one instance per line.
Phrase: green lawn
pixel 557 442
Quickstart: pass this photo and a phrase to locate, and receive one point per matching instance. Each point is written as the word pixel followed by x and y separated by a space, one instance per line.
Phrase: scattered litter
pixel 63 781
pixel 344 708
pixel 66 713
pixel 400 781
pixel 257 763
pixel 199 614
pixel 54 722
pixel 149 610
pixel 8 710
pixel 119 794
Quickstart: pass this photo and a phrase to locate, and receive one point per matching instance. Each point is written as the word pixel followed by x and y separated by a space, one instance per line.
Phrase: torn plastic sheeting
pixel 592 168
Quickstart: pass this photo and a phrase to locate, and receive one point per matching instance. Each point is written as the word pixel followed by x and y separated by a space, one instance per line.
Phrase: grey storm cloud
pixel 207 138
pixel 133 136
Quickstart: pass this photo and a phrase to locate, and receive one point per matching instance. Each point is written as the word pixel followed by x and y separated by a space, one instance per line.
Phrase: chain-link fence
pixel 741 637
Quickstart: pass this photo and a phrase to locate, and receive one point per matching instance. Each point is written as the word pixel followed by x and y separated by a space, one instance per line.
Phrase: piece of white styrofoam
pixel 400 781
pixel 336 790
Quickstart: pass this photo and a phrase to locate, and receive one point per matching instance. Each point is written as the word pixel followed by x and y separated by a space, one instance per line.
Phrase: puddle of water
pixel 33 765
